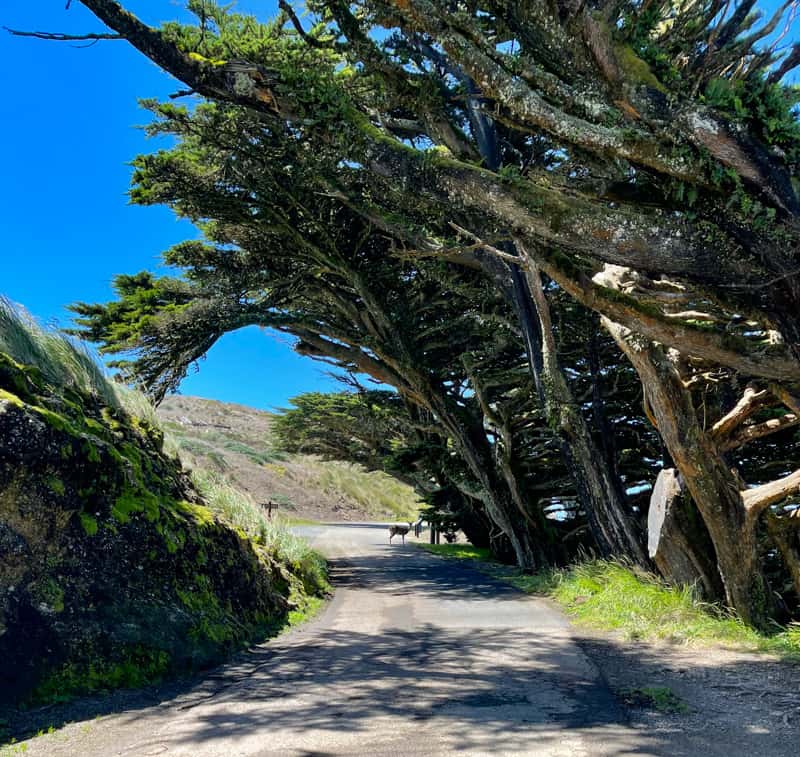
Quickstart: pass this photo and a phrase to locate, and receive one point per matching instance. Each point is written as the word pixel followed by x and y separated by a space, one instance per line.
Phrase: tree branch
pixel 757 499
pixel 757 431
pixel 307 38
pixel 751 402
pixel 627 311
pixel 58 37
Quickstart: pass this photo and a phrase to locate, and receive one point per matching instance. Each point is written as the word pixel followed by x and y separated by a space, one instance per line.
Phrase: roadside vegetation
pixel 240 510
pixel 610 595
pixel 114 532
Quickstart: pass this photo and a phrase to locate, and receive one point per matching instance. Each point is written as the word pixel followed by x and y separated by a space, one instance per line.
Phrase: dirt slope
pixel 236 441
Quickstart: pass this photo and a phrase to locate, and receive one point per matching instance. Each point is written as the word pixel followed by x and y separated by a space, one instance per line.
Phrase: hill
pixel 237 442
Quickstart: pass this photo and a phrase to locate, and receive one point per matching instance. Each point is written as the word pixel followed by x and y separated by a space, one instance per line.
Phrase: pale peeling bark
pixel 751 402
pixel 677 540
pixel 759 498
pixel 712 485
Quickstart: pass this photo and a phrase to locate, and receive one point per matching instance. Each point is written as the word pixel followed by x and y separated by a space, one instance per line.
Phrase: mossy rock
pixel 112 572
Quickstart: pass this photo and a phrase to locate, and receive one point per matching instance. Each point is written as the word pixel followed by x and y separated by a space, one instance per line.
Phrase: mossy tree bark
pixel 730 519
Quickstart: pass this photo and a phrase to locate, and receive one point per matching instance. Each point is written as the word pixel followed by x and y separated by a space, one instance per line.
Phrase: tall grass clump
pixel 375 491
pixel 612 595
pixel 63 362
pixel 240 510
pixel 66 363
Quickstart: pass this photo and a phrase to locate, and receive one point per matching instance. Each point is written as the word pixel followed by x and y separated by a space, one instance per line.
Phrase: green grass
pixel 310 609
pixel 458 551
pixel 259 457
pixel 239 510
pixel 63 362
pixel 375 491
pixel 66 363
pixel 609 595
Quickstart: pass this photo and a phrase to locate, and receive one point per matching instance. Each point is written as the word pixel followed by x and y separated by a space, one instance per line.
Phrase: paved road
pixel 415 655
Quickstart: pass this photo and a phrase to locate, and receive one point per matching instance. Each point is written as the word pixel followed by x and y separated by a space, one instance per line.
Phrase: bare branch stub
pixel 59 37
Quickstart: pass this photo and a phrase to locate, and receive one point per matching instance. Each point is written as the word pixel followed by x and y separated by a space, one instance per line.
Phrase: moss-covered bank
pixel 113 571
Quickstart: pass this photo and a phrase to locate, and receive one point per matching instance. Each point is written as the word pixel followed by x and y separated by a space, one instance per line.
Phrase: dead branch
pixel 59 37
pixel 750 403
pixel 759 430
pixel 757 499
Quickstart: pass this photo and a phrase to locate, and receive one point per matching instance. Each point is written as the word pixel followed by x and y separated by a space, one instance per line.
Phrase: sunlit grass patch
pixel 459 551
pixel 310 609
pixel 659 698
pixel 612 595
pixel 375 491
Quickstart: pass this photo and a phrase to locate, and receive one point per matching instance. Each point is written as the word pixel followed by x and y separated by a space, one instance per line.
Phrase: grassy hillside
pixel 236 442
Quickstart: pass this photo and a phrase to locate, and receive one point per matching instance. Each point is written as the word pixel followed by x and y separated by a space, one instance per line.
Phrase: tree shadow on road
pixel 484 690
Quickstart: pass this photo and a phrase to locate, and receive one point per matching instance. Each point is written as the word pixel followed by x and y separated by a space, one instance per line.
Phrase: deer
pixel 399 531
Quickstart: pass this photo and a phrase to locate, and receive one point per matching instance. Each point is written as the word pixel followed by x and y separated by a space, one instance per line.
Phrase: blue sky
pixel 68 118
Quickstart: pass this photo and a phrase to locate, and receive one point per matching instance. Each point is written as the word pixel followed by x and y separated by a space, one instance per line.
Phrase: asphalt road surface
pixel 415 655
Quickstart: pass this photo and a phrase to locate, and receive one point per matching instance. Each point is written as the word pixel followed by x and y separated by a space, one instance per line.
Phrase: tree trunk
pixel 785 533
pixel 528 538
pixel 602 428
pixel 711 483
pixel 610 525
pixel 678 541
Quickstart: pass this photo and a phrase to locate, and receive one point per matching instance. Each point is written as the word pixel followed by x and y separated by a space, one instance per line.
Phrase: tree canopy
pixel 446 197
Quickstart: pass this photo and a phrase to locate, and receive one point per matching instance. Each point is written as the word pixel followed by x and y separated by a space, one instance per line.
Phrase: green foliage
pixel 134 666
pixel 766 109
pixel 458 551
pixel 260 457
pixel 360 427
pixel 89 523
pixel 238 509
